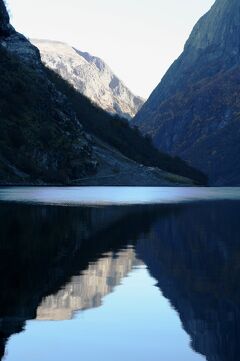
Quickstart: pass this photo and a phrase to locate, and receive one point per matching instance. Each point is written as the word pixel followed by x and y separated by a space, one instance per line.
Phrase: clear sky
pixel 139 39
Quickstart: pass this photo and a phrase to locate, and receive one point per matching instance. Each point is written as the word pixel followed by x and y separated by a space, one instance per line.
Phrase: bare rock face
pixel 18 45
pixel 194 111
pixel 220 28
pixel 13 41
pixel 91 76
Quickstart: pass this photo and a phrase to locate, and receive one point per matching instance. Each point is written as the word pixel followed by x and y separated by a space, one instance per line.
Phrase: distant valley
pixel 50 133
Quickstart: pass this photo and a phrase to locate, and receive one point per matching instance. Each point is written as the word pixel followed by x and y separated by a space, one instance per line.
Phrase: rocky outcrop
pixel 91 76
pixel 194 112
pixel 5 27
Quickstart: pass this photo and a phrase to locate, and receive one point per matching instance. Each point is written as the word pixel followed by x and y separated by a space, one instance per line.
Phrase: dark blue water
pixel 119 274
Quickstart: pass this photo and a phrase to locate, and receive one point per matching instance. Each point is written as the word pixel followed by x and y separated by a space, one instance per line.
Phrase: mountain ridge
pixel 91 76
pixel 194 111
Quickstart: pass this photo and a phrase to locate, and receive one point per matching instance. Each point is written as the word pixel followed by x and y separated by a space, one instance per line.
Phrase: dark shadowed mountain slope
pixel 195 110
pixel 41 138
pixel 42 130
pixel 117 134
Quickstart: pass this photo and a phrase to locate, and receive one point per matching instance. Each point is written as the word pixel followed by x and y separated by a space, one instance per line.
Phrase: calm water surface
pixel 141 274
pixel 76 196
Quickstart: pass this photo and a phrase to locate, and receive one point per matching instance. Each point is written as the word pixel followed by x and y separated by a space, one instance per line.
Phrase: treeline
pixel 117 132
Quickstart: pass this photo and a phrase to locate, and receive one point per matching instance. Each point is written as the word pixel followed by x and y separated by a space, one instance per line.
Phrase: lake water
pixel 105 274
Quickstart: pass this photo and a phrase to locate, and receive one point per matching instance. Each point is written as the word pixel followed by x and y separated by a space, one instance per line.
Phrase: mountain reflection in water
pixel 88 289
pixel 55 261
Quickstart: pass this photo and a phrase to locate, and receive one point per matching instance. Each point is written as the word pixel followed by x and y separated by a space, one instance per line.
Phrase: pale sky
pixel 139 39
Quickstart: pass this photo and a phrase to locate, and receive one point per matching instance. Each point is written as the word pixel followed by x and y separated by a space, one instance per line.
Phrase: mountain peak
pixel 100 64
pixel 220 26
pixel 91 76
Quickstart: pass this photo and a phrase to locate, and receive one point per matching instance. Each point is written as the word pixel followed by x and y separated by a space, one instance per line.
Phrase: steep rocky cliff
pixel 194 111
pixel 41 138
pixel 91 76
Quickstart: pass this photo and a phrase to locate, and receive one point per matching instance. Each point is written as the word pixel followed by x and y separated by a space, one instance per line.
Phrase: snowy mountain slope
pixel 91 76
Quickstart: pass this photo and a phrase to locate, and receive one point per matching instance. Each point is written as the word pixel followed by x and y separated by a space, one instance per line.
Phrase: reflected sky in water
pixel 115 195
pixel 137 282
pixel 134 323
